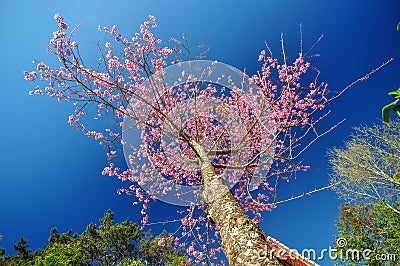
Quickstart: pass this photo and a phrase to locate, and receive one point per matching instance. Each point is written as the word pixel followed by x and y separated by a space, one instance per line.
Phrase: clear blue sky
pixel 50 173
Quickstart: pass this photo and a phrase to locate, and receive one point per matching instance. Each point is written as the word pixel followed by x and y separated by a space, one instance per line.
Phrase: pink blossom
pixel 109 46
pixel 41 66
pixel 72 120
pixel 148 36
pixel 63 26
pixel 60 21
pixel 58 18
pixel 161 242
pixel 98 136
pixel 59 34
pixel 30 75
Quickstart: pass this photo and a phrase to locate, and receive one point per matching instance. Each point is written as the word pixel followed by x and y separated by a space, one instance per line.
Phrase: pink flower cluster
pixel 30 75
pixel 60 21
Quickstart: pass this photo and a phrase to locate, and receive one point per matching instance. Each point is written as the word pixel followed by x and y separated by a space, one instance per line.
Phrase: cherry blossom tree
pixel 195 133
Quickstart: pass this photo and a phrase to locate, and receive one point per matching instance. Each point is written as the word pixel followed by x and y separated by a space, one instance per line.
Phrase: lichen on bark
pixel 243 241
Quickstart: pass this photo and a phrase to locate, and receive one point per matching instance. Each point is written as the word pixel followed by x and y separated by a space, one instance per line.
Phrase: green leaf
pixel 396 109
pixel 398 27
pixel 396 177
pixel 386 111
pixel 395 93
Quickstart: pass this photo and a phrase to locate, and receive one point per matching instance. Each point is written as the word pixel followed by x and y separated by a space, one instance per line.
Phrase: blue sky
pixel 51 174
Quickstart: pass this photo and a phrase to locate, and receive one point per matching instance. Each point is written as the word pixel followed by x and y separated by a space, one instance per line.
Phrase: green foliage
pixel 154 254
pixel 107 244
pixel 367 173
pixel 63 254
pixel 391 106
pixel 177 261
pixel 386 110
pixel 23 257
pixel 396 177
pixel 131 262
pixel 368 227
pixel 24 254
pixel 2 250
pixel 111 242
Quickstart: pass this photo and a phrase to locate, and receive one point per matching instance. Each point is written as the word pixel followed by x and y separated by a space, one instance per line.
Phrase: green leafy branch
pixel 386 110
pixel 392 106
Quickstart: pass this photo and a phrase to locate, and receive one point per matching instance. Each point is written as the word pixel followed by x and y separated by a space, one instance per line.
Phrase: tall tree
pixel 367 175
pixel 23 250
pixel 368 234
pixel 367 169
pixel 2 250
pixel 109 243
pixel 212 138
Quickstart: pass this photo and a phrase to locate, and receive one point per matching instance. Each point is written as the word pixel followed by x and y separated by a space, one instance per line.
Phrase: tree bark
pixel 243 241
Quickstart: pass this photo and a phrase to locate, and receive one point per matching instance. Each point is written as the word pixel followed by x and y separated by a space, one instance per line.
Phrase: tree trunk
pixel 243 241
